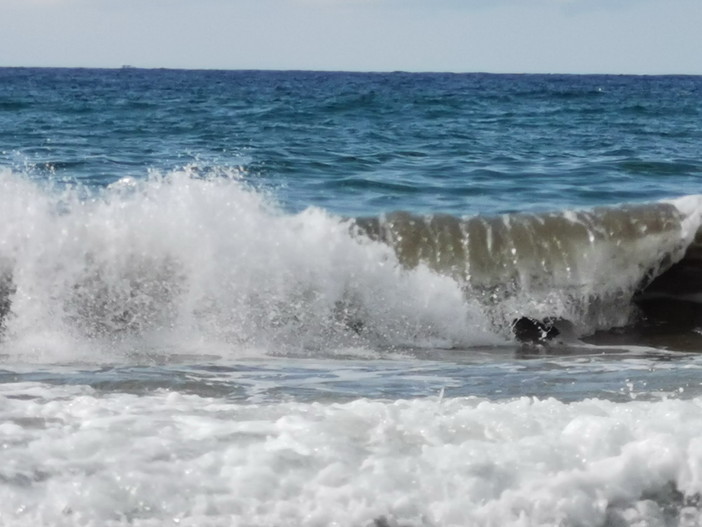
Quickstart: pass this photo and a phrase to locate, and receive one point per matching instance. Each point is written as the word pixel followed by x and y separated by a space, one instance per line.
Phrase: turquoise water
pixel 287 298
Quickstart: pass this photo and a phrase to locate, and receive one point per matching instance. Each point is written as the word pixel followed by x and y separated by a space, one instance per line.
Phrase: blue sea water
pixel 286 298
pixel 365 143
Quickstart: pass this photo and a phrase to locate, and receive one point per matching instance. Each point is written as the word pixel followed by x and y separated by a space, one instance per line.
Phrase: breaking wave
pixel 177 260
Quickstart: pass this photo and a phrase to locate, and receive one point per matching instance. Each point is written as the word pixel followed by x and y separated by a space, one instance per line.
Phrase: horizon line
pixel 128 67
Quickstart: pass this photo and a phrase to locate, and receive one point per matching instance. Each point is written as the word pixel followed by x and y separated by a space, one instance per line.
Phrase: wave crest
pixel 181 258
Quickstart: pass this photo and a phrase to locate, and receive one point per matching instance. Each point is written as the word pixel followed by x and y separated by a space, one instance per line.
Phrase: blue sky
pixel 547 36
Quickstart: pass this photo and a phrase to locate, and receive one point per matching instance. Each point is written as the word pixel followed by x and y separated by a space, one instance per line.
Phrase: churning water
pixel 287 298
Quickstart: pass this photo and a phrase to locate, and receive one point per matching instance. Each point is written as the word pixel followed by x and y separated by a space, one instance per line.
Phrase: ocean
pixel 259 298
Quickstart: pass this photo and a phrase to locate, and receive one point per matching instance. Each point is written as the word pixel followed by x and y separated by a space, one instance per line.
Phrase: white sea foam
pixel 181 260
pixel 691 209
pixel 73 457
pixel 193 264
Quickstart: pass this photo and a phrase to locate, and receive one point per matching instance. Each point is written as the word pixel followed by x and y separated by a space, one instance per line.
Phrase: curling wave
pixel 180 259
pixel 595 268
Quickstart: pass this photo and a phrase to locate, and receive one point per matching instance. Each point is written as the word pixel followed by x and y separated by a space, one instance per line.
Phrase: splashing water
pixel 177 257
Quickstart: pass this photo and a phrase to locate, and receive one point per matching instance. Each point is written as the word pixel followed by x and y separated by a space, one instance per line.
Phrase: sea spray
pixel 178 256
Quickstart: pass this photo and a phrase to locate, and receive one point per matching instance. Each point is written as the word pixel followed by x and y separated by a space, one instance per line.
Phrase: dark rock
pixel 531 330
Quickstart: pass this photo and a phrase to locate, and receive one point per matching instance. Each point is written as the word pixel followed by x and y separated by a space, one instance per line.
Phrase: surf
pixel 600 269
pixel 178 260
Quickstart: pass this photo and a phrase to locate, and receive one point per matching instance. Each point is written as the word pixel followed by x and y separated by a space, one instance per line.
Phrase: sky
pixel 500 36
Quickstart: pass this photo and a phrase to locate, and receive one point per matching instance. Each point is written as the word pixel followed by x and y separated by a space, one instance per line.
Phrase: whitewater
pixel 289 298
pixel 224 280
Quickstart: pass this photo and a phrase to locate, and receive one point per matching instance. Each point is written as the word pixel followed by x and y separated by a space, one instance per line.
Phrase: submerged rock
pixel 531 330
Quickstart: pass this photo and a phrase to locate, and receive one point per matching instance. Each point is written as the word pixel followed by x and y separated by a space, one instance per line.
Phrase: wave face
pixel 582 266
pixel 177 260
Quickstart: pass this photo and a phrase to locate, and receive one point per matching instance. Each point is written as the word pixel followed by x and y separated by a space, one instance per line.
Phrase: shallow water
pixel 308 442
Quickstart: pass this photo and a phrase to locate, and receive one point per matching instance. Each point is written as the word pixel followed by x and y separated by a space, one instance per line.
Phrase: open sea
pixel 270 299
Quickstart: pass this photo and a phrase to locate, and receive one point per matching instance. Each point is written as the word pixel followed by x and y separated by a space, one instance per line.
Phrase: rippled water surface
pixel 366 143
